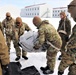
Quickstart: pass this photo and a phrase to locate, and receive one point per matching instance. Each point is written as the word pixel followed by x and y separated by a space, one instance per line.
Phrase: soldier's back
pixel 51 34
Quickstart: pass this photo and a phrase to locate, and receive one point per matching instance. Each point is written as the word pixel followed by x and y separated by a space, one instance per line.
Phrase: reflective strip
pixel 53 46
pixel 62 31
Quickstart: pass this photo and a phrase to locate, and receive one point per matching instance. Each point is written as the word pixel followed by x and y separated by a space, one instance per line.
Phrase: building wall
pixel 30 12
pixel 36 10
pixel 56 12
pixel 45 11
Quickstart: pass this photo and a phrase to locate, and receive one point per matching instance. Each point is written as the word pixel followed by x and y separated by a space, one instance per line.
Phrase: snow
pixel 38 59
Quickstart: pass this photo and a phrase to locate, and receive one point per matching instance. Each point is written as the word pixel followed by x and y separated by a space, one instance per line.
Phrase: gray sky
pixel 23 3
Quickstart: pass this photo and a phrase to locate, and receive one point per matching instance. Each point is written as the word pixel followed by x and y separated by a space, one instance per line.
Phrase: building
pixel 41 10
pixel 56 12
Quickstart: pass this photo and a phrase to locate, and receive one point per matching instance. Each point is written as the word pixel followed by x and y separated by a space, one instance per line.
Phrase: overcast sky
pixel 23 3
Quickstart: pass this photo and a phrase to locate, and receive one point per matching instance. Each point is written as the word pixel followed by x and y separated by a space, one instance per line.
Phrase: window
pixel 32 8
pixel 55 11
pixel 64 10
pixel 37 8
pixel 37 13
pixel 58 10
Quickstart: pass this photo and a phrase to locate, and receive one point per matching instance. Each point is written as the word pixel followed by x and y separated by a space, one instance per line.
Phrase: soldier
pixel 64 31
pixel 72 68
pixel 1 27
pixel 18 30
pixel 70 58
pixel 4 56
pixel 8 23
pixel 47 33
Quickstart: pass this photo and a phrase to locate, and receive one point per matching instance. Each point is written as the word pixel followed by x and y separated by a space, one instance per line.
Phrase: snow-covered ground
pixel 38 59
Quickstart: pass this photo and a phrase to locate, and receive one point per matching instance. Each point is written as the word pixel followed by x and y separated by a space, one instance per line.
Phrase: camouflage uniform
pixel 8 25
pixel 72 11
pixel 4 56
pixel 47 33
pixel 64 31
pixel 1 27
pixel 72 69
pixel 18 31
pixel 70 56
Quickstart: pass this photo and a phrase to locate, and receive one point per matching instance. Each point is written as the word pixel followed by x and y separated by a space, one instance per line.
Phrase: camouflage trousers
pixel 72 69
pixel 63 47
pixel 18 50
pixel 51 57
pixel 8 40
pixel 67 60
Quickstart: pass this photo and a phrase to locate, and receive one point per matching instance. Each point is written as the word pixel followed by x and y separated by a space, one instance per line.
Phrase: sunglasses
pixel 8 16
pixel 17 22
pixel 71 6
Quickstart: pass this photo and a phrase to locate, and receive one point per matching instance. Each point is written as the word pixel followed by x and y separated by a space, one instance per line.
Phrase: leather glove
pixel 4 66
pixel 5 70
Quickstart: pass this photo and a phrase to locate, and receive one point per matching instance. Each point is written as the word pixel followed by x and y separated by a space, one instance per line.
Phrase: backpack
pixel 13 69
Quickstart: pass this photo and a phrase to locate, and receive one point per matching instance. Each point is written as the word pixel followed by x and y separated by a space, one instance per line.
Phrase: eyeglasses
pixel 71 6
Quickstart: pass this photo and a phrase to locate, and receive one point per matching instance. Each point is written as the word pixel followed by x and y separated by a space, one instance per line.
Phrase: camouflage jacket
pixel 1 27
pixel 47 32
pixel 72 41
pixel 8 25
pixel 65 25
pixel 4 56
pixel 18 31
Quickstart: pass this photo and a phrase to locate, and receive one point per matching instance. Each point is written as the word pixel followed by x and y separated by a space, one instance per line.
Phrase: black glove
pixel 67 38
pixel 60 73
pixel 5 70
pixel 46 45
pixel 19 44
